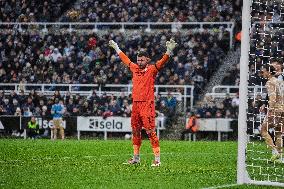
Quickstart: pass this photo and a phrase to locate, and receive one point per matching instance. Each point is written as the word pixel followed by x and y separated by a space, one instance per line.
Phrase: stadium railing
pixel 221 91
pixel 183 93
pixel 121 26
pixel 222 126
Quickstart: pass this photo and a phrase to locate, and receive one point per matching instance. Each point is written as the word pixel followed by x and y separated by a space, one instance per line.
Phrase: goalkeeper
pixel 275 112
pixel 143 110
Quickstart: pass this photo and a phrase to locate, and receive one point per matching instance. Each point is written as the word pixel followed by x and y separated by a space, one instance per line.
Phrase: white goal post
pixel 264 173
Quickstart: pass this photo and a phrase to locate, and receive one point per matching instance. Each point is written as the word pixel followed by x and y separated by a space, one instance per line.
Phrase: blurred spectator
pixel 75 112
pixel 163 109
pixel 44 112
pixel 18 112
pixel 27 112
pixel 236 100
pixel 191 126
pixel 33 128
pixel 86 109
pixel 171 102
pixel 7 107
pixel 125 109
pixel 227 101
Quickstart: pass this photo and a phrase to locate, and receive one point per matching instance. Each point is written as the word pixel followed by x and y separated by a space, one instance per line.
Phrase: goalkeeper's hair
pixel 142 53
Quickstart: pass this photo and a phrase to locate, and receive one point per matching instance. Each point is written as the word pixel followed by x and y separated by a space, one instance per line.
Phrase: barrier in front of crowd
pixel 183 93
pixel 111 124
pixel 220 125
pixel 121 26
pixel 77 124
pixel 221 91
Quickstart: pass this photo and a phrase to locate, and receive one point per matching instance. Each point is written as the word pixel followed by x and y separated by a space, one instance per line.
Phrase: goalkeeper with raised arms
pixel 143 109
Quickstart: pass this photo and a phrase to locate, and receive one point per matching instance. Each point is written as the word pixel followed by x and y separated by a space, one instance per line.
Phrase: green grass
pixel 98 164
pixel 259 165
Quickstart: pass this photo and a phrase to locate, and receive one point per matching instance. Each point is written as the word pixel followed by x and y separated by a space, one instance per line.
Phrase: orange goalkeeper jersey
pixel 143 79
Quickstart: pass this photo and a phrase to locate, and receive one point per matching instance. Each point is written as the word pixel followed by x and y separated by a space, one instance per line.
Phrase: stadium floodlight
pixel 254 163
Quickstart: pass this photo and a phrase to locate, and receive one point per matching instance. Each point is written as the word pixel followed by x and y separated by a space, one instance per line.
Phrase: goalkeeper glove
pixel 114 46
pixel 170 46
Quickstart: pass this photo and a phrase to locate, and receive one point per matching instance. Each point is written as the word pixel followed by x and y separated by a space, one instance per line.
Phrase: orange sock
pixel 156 151
pixel 136 149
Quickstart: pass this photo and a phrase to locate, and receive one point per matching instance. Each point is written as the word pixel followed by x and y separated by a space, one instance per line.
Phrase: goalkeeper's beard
pixel 142 66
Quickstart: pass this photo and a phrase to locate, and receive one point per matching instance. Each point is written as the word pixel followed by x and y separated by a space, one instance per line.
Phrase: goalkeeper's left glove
pixel 170 46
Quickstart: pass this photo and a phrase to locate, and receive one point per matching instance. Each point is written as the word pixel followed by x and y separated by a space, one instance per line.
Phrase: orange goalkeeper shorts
pixel 143 115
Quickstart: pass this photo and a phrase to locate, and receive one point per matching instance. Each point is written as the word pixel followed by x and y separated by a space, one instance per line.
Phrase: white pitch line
pixel 222 186
pixel 114 155
pixel 168 153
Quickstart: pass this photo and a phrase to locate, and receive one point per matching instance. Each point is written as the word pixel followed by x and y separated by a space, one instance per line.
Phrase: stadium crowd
pixel 155 11
pixel 32 10
pixel 72 58
pixel 120 11
pixel 37 104
pixel 219 108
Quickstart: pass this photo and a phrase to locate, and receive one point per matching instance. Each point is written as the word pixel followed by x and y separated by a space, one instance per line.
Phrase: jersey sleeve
pixel 126 61
pixel 160 63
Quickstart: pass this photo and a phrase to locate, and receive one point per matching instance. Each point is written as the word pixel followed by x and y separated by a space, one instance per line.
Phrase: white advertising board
pixel 110 124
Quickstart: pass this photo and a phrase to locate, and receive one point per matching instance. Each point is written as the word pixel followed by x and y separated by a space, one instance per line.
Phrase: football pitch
pixel 99 164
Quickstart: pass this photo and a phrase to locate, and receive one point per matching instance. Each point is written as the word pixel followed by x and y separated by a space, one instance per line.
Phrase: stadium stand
pixel 40 57
pixel 32 10
pixel 51 58
pixel 155 11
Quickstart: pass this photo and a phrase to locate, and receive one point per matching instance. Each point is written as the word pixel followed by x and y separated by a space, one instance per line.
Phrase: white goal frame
pixel 242 174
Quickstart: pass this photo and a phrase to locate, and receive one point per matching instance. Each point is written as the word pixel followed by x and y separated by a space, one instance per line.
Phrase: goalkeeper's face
pixel 142 61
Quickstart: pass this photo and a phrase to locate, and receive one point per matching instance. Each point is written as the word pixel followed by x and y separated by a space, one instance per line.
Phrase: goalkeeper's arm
pixel 170 47
pixel 122 56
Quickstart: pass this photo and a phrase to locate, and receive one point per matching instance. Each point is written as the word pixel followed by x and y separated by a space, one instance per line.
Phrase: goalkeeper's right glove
pixel 114 46
pixel 170 46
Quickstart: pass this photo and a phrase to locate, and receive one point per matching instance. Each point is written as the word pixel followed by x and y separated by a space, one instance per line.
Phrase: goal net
pixel 262 44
